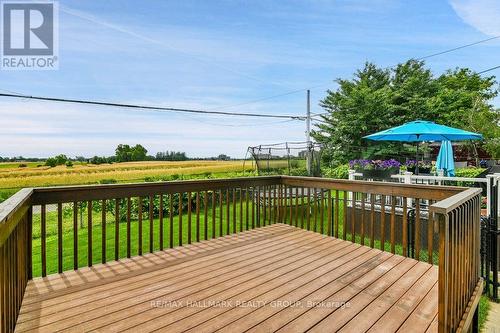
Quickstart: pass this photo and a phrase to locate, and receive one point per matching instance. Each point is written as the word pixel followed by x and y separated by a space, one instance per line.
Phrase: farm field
pixel 13 177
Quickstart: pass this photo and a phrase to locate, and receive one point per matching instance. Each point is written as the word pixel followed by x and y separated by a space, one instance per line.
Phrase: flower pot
pixel 379 173
pixel 420 170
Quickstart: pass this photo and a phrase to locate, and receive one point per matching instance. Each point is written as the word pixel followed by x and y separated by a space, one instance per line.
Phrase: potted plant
pixel 375 169
pixel 423 166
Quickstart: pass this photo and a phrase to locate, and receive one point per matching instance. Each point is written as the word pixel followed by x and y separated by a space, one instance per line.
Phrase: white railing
pixel 409 178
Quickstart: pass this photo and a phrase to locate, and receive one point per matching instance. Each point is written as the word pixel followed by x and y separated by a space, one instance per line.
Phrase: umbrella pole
pixel 416 159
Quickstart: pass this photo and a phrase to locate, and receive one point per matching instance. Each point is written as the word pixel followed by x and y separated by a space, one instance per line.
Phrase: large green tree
pixel 126 153
pixel 376 99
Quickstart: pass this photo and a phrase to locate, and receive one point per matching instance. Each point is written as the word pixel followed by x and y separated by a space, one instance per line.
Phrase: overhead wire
pixel 154 108
pixel 488 70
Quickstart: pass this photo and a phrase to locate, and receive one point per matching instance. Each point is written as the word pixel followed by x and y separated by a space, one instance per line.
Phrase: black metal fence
pixel 489 246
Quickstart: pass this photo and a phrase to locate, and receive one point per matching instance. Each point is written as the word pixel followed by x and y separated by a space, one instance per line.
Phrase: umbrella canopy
pixel 445 159
pixel 420 130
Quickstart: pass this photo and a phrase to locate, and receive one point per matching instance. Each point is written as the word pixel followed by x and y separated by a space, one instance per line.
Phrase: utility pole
pixel 309 156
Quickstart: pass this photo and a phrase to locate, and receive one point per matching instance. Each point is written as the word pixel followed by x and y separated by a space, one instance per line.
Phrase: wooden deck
pixel 274 278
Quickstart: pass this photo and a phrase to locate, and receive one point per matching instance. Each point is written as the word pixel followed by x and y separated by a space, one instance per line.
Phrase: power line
pixel 152 108
pixel 489 69
pixel 458 48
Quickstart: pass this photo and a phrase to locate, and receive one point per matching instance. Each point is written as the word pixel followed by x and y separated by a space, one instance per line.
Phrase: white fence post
pixel 497 181
pixel 489 183
pixel 349 194
pixel 407 180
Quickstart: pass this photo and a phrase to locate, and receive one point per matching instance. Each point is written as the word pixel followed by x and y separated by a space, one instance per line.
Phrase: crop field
pixel 14 176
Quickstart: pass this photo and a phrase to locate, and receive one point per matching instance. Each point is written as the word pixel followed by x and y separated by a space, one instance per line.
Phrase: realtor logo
pixel 29 35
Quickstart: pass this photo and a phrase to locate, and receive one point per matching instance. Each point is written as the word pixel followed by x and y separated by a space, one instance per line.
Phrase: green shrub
pixel 339 172
pixel 470 172
pixel 69 164
pixel 51 162
pixel 298 172
pixel 22 165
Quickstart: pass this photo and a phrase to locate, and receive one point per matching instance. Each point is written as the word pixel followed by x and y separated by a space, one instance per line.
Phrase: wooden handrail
pixel 450 203
pixel 430 192
pixel 12 210
pixel 49 195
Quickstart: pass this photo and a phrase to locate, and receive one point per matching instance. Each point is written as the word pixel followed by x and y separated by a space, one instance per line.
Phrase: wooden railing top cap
pixel 447 205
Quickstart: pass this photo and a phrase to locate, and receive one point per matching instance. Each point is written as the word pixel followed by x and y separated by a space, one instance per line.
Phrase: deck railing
pixel 15 255
pixel 50 230
pixel 459 284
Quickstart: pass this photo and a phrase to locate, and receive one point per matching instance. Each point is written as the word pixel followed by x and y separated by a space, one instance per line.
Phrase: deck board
pixel 261 280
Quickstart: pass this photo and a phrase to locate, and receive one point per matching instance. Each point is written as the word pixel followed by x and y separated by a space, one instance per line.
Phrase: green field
pixel 35 174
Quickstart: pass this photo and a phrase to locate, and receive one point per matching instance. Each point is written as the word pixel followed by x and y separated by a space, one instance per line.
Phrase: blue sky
pixel 216 55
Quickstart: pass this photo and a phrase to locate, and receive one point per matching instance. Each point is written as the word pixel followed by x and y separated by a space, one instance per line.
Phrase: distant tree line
pixel 123 153
pixel 171 156
pixel 22 159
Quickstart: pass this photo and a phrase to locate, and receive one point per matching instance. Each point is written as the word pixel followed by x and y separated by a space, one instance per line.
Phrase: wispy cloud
pixel 483 15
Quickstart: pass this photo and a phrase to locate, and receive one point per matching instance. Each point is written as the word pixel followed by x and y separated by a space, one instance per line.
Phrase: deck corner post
pixel 29 236
pixel 442 220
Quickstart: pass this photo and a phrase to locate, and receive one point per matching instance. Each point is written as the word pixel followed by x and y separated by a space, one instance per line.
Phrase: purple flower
pixel 421 164
pixel 374 164
pixel 411 163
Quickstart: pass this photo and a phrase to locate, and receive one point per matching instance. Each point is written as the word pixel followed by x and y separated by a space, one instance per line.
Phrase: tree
pixel 125 153
pixel 138 153
pixel 356 109
pixel 462 101
pixel 376 99
pixel 171 156
pixel 61 159
pixel 57 160
pixel 51 162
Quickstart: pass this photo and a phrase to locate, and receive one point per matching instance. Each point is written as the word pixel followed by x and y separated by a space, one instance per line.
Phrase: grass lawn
pixel 97 226
pixel 484 307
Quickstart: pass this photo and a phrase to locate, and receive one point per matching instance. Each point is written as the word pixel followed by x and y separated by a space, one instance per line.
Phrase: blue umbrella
pixel 421 130
pixel 445 159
